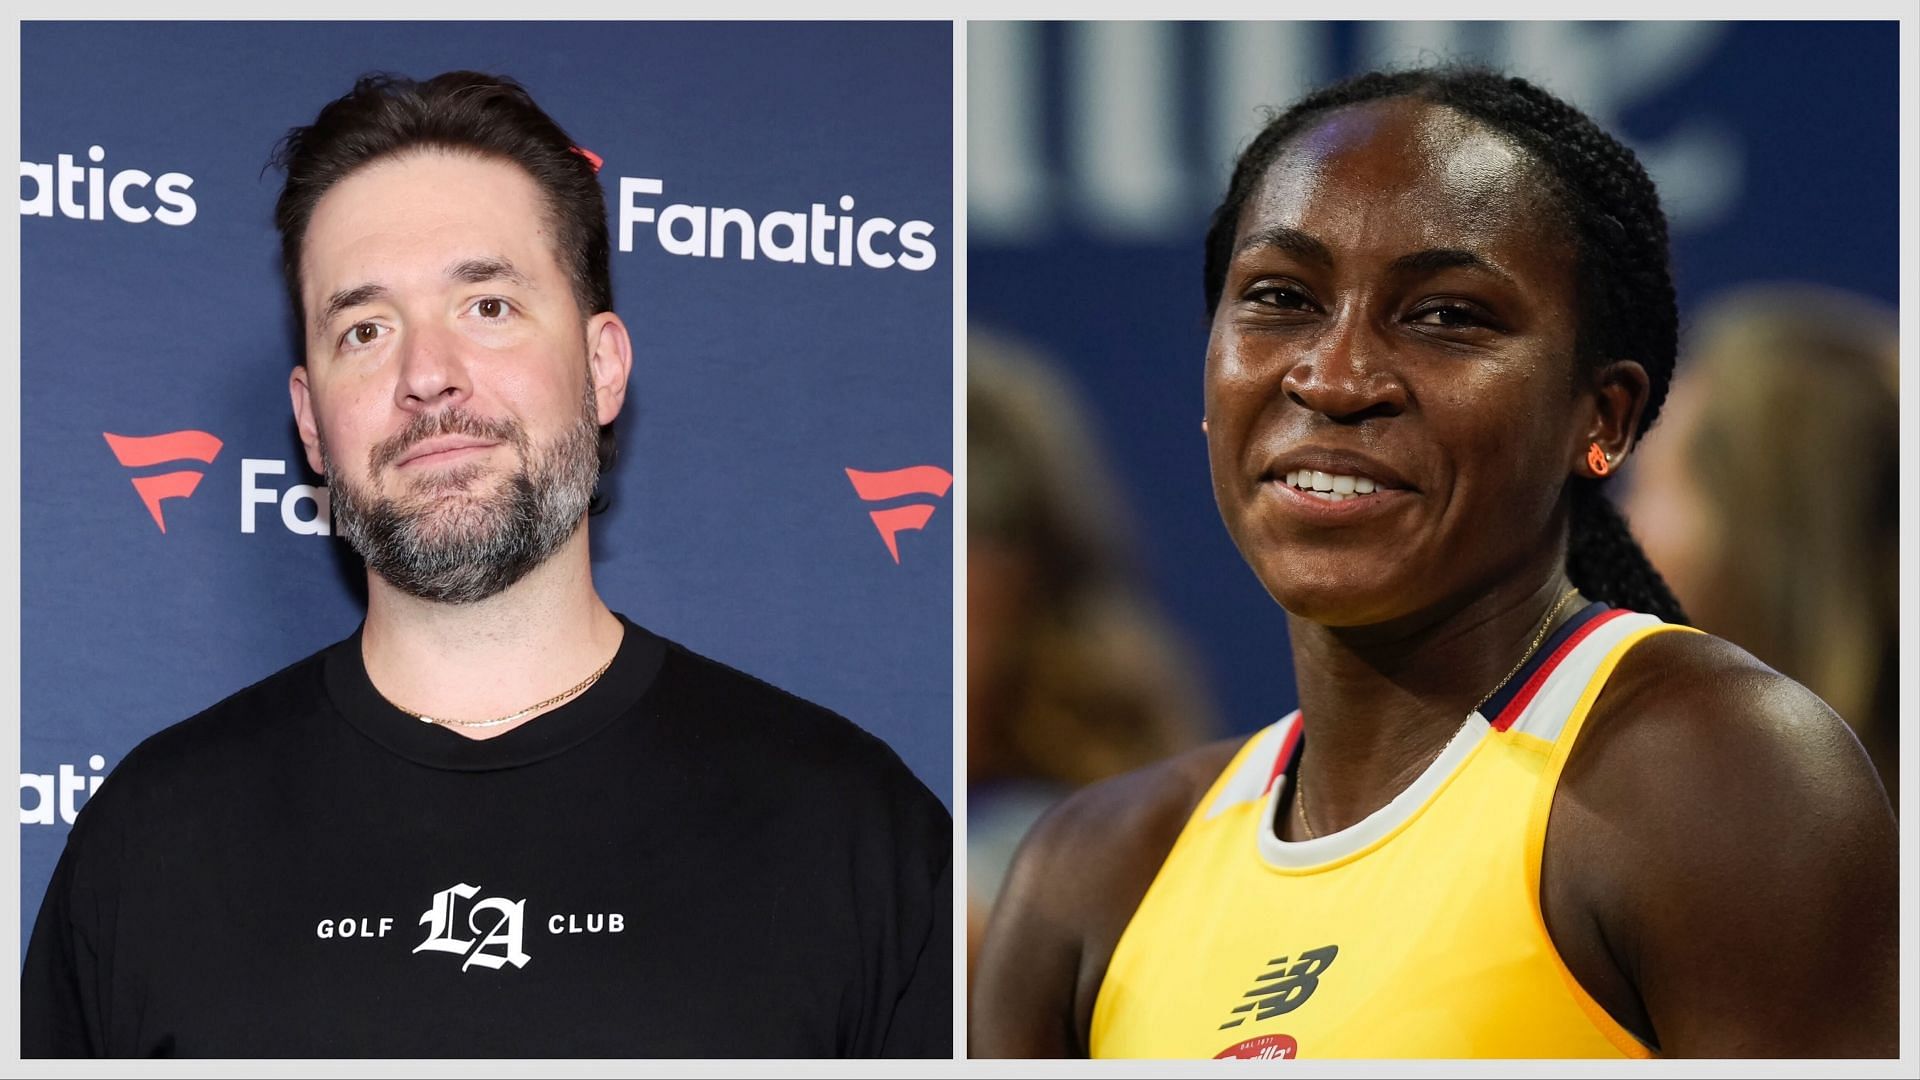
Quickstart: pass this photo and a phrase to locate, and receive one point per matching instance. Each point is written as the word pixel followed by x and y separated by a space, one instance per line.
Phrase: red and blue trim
pixel 1510 701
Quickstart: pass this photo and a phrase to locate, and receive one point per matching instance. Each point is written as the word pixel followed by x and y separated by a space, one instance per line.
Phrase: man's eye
pixel 365 333
pixel 492 307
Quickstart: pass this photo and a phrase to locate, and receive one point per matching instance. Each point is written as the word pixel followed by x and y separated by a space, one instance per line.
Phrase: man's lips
pixel 446 449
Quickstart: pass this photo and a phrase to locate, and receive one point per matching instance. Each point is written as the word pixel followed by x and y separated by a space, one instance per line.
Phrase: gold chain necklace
pixel 1300 781
pixel 577 688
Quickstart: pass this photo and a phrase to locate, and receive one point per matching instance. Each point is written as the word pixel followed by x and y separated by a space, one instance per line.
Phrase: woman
pixel 1514 816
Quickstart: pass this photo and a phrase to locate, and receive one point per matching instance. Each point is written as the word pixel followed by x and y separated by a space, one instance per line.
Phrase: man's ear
pixel 609 363
pixel 303 418
pixel 1619 397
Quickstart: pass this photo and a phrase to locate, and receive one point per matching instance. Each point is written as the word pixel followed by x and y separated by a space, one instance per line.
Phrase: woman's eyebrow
pixel 1432 259
pixel 1304 246
pixel 1290 240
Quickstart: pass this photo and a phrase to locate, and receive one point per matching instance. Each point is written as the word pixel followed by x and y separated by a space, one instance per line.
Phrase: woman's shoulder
pixel 1717 823
pixel 1700 706
pixel 1100 847
pixel 1694 744
pixel 1074 884
pixel 1126 811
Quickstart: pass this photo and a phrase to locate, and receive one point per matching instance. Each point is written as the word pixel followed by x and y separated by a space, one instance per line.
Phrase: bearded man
pixel 499 819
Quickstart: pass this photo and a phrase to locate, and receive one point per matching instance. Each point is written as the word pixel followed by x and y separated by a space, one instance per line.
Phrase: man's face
pixel 453 389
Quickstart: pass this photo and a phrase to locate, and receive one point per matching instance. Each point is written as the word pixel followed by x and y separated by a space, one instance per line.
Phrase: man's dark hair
pixel 1625 295
pixel 465 112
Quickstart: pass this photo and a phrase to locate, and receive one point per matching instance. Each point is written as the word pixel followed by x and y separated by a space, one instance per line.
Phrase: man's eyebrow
pixel 471 271
pixel 1445 259
pixel 486 268
pixel 1290 240
pixel 347 298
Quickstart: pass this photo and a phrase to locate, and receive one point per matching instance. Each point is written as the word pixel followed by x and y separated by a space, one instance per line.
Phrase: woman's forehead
pixel 1424 173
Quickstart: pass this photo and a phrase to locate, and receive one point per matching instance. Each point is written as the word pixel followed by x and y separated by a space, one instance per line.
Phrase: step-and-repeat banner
pixel 1096 152
pixel 782 500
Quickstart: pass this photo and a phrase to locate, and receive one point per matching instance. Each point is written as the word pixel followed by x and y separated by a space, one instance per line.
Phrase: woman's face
pixel 1398 314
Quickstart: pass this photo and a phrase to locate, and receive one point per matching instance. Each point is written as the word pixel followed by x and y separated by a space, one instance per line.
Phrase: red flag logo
pixel 893 520
pixel 140 451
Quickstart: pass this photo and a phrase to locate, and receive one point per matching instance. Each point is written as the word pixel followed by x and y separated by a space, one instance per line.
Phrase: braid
pixel 1627 306
pixel 1605 563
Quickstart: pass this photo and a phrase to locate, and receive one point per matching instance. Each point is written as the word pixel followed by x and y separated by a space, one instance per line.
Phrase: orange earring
pixel 1597 460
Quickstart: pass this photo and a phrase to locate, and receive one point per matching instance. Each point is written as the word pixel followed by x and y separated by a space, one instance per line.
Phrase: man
pixel 499 819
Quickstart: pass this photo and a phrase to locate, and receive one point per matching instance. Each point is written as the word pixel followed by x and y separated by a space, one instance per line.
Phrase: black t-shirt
pixel 681 862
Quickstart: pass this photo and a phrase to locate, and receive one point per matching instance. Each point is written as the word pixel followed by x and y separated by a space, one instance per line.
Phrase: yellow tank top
pixel 1414 933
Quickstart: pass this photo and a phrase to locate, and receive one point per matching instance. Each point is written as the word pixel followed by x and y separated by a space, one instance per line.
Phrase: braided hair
pixel 1626 304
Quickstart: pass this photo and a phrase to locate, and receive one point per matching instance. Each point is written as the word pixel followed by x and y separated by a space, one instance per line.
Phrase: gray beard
pixel 441 544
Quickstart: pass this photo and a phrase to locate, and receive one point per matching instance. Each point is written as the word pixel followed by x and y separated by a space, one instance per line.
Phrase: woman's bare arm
pixel 1722 868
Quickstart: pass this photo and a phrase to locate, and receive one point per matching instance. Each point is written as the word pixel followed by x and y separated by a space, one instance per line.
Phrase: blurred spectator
pixel 1071 675
pixel 1769 498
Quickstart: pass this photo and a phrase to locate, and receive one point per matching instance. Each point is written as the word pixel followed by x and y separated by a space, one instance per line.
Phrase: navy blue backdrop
pixel 152 305
pixel 1096 152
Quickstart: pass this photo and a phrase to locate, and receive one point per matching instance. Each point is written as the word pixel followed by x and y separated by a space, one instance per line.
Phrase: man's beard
pixel 440 543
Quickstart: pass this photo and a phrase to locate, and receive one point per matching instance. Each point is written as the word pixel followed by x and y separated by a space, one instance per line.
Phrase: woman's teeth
pixel 1332 487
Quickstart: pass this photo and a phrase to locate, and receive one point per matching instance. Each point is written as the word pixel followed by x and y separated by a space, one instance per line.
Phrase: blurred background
pixel 1095 152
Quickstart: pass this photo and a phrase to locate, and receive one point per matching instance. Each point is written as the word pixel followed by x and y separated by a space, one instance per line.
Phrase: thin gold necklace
pixel 577 688
pixel 1300 780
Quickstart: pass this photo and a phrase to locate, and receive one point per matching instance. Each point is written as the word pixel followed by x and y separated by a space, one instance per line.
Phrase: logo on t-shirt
pixel 1284 987
pixel 489 931
pixel 496 925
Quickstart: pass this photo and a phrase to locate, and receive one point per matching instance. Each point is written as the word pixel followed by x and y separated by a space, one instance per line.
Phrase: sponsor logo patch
pixel 1262 1048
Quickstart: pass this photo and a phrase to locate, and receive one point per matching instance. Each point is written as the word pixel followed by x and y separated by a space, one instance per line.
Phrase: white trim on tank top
pixel 1544 717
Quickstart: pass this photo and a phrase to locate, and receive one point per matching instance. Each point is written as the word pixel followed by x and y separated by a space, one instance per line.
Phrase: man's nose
pixel 433 372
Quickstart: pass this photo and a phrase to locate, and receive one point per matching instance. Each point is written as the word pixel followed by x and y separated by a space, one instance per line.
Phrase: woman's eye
pixel 1448 315
pixel 1284 297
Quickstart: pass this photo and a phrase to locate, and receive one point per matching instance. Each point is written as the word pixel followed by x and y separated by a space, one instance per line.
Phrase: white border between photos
pixel 1909 496
pixel 958 504
pixel 10 554
pixel 960 11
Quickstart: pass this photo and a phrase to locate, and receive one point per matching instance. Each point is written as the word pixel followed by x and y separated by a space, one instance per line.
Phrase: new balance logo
pixel 141 451
pixel 893 520
pixel 1286 987
pixel 503 921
